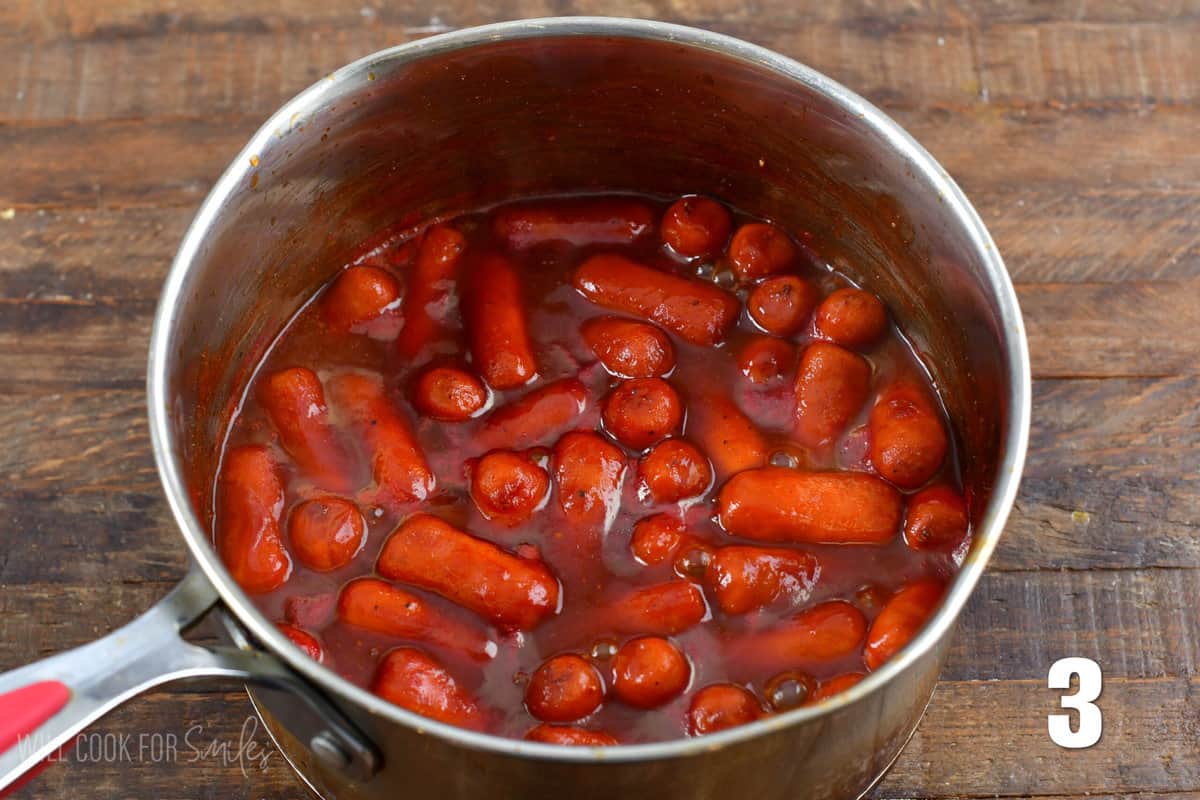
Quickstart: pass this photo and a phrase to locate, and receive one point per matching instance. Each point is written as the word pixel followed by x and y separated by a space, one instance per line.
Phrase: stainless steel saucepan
pixel 473 117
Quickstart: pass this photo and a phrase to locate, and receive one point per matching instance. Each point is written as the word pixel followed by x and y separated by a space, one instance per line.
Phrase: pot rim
pixel 1016 355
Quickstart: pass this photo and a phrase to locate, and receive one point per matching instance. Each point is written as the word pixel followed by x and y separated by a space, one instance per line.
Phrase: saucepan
pixel 469 118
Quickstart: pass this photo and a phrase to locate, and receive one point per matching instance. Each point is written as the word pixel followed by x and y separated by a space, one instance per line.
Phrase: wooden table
pixel 1075 129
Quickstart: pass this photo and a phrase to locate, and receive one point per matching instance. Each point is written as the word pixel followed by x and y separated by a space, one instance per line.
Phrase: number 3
pixel 1091 721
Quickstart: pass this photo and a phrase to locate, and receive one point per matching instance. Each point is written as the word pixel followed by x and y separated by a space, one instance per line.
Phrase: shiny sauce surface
pixel 529 297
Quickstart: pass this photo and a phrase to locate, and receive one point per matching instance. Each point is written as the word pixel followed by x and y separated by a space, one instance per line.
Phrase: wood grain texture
pixel 173 161
pixel 1071 125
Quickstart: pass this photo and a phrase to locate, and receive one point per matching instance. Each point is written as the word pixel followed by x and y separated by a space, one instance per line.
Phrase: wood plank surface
pixel 1073 126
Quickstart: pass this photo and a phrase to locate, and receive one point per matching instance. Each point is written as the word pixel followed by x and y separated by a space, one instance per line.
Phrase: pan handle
pixel 45 705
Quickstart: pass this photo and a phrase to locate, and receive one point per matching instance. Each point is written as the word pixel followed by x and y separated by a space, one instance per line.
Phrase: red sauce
pixel 620 379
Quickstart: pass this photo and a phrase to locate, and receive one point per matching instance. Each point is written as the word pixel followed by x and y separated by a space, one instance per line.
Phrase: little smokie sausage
pixel 359 296
pixel 302 639
pixel 908 440
pixel 497 329
pixel 508 487
pixel 656 538
pixel 649 671
pixel 614 221
pixel 731 440
pixel 778 504
pixel 698 312
pixel 398 465
pixel 851 317
pixel 781 305
pixel 512 592
pixel 834 686
pixel 588 471
pixel 449 394
pixel 326 532
pixel 901 618
pixel 936 519
pixel 564 688
pixel 628 348
pixel 759 249
pixel 664 609
pixel 250 501
pixel 831 388
pixel 721 706
pixel 570 736
pixel 538 417
pixel 696 226
pixel 379 606
pixel 743 578
pixel 295 402
pixel 642 411
pixel 824 633
pixel 764 359
pixel 414 680
pixel 431 282
pixel 674 470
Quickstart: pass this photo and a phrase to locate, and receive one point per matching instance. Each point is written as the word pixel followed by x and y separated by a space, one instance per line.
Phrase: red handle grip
pixel 23 710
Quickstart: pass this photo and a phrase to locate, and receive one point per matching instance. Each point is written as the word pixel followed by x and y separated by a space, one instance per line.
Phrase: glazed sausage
pixel 508 487
pixel 851 317
pixel 588 472
pixel 565 688
pixel 398 465
pixel 326 532
pixel 744 578
pixel 538 417
pixel 249 501
pixel 759 249
pixel 497 329
pixel 431 554
pixel 302 639
pixel 697 312
pixel 570 736
pixel 649 671
pixel 674 470
pixel 431 282
pixel 642 411
pixel 628 348
pixel 831 388
pixel 656 538
pixel 731 440
pixel 721 706
pixel 413 680
pixel 778 504
pixel 359 296
pixel 908 440
pixel 582 222
pixel 295 402
pixel 900 619
pixel 781 305
pixel 764 359
pixel 834 686
pixel 449 394
pixel 664 609
pixel 696 226
pixel 823 633
pixel 937 519
pixel 379 606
